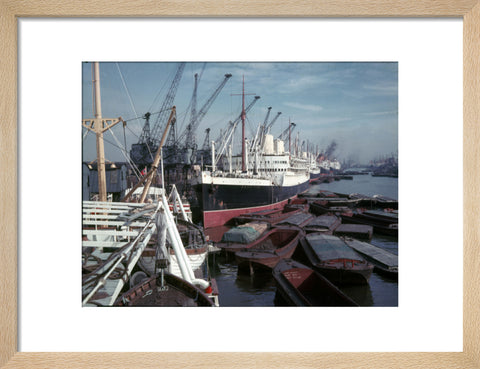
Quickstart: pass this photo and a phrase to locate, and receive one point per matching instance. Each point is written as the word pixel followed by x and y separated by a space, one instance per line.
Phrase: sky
pixel 354 104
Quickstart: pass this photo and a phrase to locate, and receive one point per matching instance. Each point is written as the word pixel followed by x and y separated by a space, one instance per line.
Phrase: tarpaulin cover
pixel 324 221
pixel 243 234
pixel 330 247
pixel 258 226
pixel 297 219
pixel 379 255
pixel 384 214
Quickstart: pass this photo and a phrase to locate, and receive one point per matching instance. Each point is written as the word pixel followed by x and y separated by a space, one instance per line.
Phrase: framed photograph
pixel 41 206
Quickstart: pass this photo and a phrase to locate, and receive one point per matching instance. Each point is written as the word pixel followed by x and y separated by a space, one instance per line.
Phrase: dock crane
pixel 206 142
pixel 204 153
pixel 269 126
pixel 170 150
pixel 141 152
pixel 193 111
pixel 228 134
pixel 266 128
pixel 266 118
pixel 189 133
pixel 284 135
pixel 223 135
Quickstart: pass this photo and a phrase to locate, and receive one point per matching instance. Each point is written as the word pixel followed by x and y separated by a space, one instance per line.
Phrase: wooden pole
pixel 102 181
pixel 243 126
pixel 99 125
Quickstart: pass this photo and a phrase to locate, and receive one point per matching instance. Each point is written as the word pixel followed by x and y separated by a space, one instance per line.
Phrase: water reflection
pixel 361 294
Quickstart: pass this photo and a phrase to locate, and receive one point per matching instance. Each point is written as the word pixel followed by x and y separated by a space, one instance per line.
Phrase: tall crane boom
pixel 268 114
pixel 267 129
pixel 195 122
pixel 283 136
pixel 228 135
pixel 193 112
pixel 164 110
pixel 141 153
pixel 206 142
pixel 234 123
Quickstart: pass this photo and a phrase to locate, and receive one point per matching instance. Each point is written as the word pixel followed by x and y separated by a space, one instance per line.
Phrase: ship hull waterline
pixel 221 203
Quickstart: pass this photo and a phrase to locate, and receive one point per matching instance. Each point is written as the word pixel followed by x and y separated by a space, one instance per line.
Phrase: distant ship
pixel 330 165
pixel 314 168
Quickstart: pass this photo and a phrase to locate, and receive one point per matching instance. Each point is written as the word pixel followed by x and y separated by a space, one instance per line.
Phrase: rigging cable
pixel 126 89
pixel 170 76
pixel 143 116
pixel 124 135
pixel 117 146
pixel 125 154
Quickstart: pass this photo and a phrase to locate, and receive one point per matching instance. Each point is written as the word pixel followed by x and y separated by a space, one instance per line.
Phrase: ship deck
pixel 114 236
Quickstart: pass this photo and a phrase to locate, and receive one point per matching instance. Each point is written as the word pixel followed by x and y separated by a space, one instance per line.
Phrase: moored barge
pixel 334 259
pixel 299 285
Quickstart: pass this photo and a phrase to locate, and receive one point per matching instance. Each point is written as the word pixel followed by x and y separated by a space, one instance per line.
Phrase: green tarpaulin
pixel 241 235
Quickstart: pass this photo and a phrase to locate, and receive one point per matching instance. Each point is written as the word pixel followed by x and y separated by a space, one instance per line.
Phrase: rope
pixel 133 133
pixel 169 78
pixel 126 89
pixel 124 135
pixel 111 143
pixel 127 157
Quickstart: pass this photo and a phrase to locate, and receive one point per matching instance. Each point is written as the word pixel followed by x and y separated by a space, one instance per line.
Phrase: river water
pixel 259 289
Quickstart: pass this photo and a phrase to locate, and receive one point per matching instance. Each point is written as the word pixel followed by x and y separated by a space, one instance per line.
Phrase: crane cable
pixel 172 73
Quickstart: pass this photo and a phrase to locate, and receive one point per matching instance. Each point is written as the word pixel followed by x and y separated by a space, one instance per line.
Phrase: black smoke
pixel 330 149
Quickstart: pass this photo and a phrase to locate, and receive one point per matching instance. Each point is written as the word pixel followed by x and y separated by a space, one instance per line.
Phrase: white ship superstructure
pixel 271 177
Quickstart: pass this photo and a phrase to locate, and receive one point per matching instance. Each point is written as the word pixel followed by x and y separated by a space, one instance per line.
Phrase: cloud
pixel 355 104
pixel 383 89
pixel 379 113
pixel 307 107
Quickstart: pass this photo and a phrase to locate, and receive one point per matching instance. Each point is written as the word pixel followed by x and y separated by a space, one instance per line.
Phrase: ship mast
pixel 98 125
pixel 243 116
pixel 243 125
pixel 289 137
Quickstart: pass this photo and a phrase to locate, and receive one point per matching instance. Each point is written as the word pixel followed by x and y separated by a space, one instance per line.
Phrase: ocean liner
pixel 264 176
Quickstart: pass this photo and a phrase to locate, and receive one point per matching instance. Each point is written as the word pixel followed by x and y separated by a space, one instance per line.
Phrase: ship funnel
pixel 279 147
pixel 268 145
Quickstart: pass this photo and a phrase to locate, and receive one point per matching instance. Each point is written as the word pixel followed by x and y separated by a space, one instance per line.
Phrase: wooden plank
pixel 135 215
pixel 110 232
pixel 103 244
pixel 112 204
pixel 109 211
pixel 99 216
pixel 113 223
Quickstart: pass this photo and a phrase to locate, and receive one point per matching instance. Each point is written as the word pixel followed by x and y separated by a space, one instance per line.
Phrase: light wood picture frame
pixel 12 10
